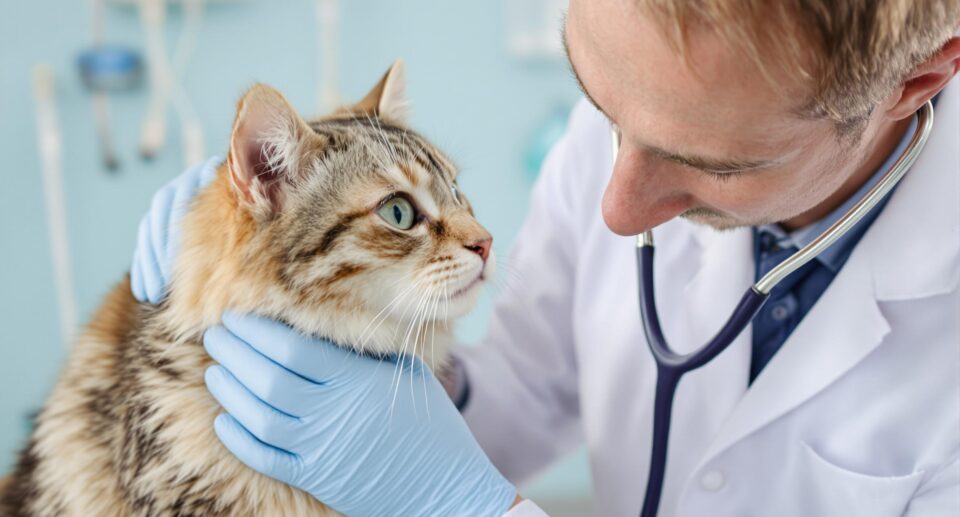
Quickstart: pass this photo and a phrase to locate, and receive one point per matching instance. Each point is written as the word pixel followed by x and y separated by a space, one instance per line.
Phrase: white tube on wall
pixel 328 68
pixel 533 28
pixel 164 80
pixel 49 143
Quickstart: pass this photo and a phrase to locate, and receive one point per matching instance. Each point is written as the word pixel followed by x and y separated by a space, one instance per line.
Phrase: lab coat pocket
pixel 827 489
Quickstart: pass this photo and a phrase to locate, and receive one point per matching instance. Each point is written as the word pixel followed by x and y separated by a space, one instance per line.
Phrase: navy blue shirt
pixel 790 300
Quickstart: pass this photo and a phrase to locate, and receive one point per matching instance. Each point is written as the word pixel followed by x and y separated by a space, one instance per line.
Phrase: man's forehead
pixel 641 82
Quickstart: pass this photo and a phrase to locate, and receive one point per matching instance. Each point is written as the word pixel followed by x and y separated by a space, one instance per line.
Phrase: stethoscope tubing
pixel 671 366
pixel 859 210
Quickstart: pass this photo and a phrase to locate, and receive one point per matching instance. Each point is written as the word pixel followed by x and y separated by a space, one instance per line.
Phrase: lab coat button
pixel 712 481
pixel 780 312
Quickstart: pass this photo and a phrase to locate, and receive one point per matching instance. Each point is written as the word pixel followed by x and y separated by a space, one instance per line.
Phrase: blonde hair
pixel 852 53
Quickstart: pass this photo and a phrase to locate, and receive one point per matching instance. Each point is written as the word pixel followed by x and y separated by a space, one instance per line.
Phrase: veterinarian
pixel 768 120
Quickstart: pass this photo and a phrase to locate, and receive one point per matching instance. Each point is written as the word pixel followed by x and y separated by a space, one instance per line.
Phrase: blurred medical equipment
pixel 164 84
pixel 533 28
pixel 105 69
pixel 109 68
pixel 671 366
pixel 328 66
pixel 49 143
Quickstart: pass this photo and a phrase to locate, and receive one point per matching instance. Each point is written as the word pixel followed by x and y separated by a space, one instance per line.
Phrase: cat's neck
pixel 214 273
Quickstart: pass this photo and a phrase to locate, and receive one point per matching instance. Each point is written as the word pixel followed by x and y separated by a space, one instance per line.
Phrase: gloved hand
pixel 364 436
pixel 158 237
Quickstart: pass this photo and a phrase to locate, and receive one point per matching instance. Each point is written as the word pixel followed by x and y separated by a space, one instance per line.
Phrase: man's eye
pixel 723 176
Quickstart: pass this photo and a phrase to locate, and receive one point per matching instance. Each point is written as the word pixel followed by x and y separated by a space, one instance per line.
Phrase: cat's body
pixel 127 432
pixel 283 231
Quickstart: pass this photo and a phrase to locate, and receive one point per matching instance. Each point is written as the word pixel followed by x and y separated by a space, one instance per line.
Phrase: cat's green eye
pixel 399 213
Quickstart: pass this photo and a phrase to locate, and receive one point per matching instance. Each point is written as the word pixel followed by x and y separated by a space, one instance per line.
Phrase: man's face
pixel 713 142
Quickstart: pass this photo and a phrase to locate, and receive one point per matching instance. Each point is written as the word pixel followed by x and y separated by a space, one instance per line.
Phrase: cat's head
pixel 350 226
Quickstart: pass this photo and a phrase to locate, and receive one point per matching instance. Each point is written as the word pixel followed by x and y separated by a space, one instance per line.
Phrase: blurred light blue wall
pixel 469 95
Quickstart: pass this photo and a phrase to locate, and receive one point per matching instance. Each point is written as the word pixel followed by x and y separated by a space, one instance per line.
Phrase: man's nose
pixel 642 193
pixel 481 247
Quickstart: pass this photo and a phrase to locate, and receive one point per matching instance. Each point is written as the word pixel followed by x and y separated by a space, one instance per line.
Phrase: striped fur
pixel 128 427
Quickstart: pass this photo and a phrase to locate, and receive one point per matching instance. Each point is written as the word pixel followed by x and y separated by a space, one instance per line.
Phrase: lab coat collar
pixel 911 251
pixel 840 330
pixel 915 250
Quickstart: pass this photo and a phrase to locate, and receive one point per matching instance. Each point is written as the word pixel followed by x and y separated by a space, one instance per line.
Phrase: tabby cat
pixel 349 227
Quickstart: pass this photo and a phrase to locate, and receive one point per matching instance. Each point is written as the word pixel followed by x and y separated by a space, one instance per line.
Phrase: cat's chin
pixel 464 300
pixel 364 332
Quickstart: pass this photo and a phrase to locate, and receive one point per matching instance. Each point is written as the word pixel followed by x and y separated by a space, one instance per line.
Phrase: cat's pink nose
pixel 481 248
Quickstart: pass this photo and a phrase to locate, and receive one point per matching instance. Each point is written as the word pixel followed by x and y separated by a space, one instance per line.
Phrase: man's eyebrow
pixel 711 164
pixel 573 70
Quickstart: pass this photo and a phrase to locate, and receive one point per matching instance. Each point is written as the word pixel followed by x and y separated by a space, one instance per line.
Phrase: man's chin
pixel 714 219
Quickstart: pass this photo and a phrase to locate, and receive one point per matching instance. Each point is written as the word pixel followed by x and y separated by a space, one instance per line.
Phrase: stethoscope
pixel 671 366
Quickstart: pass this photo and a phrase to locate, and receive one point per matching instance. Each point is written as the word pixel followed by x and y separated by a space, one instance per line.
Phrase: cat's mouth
pixel 467 288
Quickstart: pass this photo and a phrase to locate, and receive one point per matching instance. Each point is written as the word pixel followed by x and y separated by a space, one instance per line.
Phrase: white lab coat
pixel 858 414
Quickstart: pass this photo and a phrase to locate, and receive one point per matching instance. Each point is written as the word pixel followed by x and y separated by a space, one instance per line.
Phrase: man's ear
pixel 927 80
pixel 266 147
pixel 388 99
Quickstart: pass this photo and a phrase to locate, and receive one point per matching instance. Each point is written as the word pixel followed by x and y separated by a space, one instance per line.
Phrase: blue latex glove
pixel 158 237
pixel 360 434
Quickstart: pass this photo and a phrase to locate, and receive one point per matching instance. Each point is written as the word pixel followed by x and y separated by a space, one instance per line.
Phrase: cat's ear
pixel 265 149
pixel 388 99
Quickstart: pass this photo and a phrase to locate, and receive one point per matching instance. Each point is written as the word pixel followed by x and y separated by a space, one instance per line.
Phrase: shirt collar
pixel 834 256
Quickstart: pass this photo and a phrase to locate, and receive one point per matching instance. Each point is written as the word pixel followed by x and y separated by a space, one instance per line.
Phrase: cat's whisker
pixel 433 332
pixel 389 146
pixel 407 277
pixel 421 337
pixel 414 319
pixel 402 318
pixel 437 319
pixel 433 327
pixel 372 153
pixel 414 284
pixel 365 338
pixel 511 280
pixel 405 144
pixel 507 279
pixel 414 323
pixel 510 274
pixel 396 299
pixel 381 139
pixel 406 339
pixel 420 340
pixel 507 266
pixel 421 152
pixel 398 368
